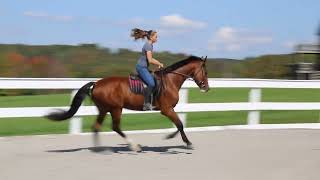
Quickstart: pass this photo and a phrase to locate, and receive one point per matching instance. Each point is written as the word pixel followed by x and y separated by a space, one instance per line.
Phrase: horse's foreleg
pixel 116 118
pixel 172 115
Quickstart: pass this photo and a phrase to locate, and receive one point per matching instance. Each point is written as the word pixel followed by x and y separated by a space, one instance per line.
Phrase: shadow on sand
pixel 124 149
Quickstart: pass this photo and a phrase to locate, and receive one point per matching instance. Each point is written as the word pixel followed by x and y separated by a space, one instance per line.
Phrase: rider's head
pixel 151 35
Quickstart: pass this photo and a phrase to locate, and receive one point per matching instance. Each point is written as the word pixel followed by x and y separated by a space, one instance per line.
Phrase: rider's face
pixel 154 38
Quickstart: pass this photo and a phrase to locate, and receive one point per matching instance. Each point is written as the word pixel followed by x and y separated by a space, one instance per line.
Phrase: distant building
pixel 306 70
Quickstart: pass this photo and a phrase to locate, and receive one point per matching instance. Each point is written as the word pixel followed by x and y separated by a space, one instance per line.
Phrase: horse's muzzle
pixel 204 89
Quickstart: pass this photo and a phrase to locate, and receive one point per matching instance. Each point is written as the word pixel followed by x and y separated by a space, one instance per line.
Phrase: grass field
pixel 26 126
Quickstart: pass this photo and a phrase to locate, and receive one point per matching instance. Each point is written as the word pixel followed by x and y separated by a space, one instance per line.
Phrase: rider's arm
pixel 152 60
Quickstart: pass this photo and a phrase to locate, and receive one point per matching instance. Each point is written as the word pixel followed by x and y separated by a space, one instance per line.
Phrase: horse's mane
pixel 180 64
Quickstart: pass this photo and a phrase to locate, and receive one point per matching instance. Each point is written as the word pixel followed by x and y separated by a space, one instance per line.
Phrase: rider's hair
pixel 141 34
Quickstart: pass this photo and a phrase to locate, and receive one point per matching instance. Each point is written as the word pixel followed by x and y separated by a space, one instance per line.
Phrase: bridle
pixel 201 84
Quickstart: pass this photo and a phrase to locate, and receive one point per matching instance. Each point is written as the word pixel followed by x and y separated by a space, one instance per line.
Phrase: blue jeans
pixel 145 75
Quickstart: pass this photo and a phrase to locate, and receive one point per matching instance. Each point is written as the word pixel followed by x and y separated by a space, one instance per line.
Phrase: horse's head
pixel 193 67
pixel 200 75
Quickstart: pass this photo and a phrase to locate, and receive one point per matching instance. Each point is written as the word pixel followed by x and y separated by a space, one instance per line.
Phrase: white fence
pixel 254 106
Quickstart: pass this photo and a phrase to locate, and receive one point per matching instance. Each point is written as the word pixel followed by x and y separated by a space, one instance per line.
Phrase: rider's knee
pixel 152 84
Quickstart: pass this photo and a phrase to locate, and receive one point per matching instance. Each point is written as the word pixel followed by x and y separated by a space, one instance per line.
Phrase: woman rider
pixel 144 61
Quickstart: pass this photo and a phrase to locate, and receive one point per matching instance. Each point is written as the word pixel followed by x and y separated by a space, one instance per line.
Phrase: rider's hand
pixel 160 66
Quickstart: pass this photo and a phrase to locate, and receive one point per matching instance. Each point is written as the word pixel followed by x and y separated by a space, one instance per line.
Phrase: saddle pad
pixel 136 85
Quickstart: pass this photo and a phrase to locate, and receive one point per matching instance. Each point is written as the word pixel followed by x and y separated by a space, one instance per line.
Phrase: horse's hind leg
pixel 96 128
pixel 99 121
pixel 172 135
pixel 116 118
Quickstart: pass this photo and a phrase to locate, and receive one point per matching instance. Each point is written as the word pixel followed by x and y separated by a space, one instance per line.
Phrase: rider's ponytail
pixel 141 34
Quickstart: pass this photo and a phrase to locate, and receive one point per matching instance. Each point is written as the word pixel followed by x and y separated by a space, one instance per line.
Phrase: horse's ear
pixel 205 59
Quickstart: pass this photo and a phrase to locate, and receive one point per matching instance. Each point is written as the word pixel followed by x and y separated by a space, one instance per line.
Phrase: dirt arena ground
pixel 223 155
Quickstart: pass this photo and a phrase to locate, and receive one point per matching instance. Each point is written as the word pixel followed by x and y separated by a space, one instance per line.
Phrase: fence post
pixel 254 116
pixel 183 98
pixel 75 124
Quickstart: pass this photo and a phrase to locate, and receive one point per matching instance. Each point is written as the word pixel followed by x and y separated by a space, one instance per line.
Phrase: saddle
pixel 138 86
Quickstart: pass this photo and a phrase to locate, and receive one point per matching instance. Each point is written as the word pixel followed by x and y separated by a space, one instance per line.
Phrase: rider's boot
pixel 148 96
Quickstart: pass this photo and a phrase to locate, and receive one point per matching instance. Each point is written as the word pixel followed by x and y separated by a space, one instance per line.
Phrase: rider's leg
pixel 147 77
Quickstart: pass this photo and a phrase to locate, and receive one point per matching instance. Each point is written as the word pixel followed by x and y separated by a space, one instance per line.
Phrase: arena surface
pixel 223 155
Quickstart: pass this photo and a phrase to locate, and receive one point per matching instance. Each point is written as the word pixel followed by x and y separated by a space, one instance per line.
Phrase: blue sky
pixel 225 28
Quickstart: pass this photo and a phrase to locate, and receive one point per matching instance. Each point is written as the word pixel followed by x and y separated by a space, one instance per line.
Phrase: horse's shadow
pixel 124 149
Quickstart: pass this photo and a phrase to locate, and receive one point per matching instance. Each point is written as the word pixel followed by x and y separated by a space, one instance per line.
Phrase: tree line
pixel 91 60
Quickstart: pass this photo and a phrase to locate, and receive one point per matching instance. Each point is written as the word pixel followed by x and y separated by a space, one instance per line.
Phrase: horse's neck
pixel 177 79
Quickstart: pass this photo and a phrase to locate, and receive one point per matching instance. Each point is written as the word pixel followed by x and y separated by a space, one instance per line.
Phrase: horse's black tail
pixel 76 103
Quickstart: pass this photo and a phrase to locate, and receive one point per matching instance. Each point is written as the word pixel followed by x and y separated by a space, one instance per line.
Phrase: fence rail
pixel 254 106
pixel 76 83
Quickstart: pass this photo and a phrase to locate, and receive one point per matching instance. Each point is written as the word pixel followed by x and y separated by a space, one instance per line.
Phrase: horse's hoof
pixel 140 148
pixel 135 147
pixel 190 146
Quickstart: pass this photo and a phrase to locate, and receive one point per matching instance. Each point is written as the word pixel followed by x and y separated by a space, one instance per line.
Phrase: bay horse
pixel 112 94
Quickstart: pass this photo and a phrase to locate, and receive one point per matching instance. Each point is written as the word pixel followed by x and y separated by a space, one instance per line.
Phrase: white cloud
pixel 167 25
pixel 173 24
pixel 289 44
pixel 226 33
pixel 177 21
pixel 232 39
pixel 47 16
